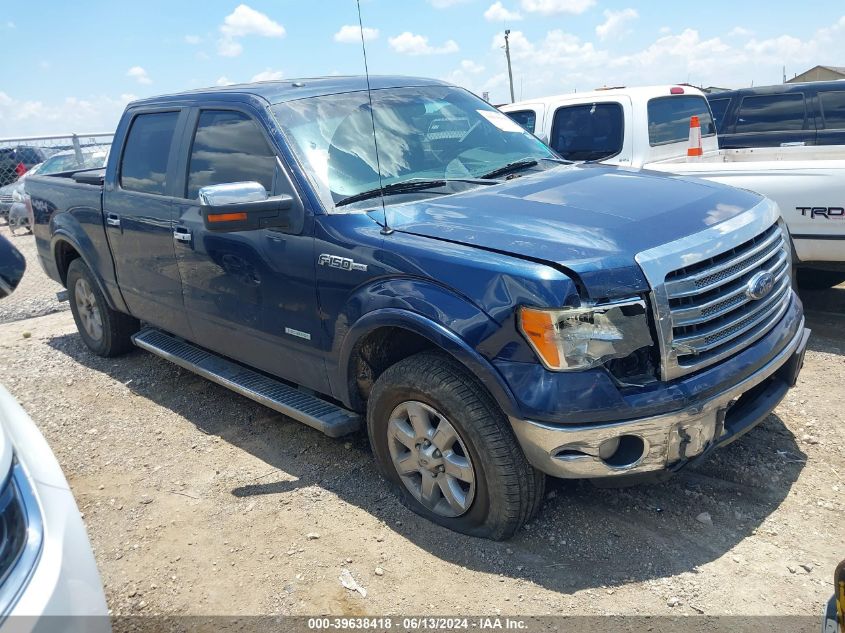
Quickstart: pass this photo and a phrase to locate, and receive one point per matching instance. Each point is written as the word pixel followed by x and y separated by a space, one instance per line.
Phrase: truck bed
pixel 70 201
pixel 793 156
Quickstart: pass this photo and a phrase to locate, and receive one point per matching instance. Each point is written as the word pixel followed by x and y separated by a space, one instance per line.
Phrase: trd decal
pixel 828 213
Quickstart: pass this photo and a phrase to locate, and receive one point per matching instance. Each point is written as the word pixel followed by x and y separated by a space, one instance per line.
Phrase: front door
pixel 250 295
pixel 139 216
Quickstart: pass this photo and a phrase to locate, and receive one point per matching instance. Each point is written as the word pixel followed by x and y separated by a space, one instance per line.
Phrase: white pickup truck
pixel 648 127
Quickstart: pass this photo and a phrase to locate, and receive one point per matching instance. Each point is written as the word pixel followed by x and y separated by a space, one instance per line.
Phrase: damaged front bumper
pixel 663 442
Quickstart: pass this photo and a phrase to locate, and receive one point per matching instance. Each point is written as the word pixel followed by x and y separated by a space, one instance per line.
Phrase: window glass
pixel 833 107
pixel 144 164
pixel 669 118
pixel 433 132
pixel 591 131
pixel 719 107
pixel 229 147
pixel 771 113
pixel 526 118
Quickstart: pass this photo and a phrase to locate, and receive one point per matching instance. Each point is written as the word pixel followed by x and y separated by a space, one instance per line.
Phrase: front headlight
pixel 574 339
pixel 16 196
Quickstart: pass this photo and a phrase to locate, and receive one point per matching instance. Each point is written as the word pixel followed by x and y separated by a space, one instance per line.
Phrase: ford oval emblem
pixel 759 285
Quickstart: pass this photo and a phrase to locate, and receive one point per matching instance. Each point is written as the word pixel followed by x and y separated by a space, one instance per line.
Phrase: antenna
pixel 385 230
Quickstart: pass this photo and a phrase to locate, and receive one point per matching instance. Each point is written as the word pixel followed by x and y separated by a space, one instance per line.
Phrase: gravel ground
pixel 199 501
pixel 36 294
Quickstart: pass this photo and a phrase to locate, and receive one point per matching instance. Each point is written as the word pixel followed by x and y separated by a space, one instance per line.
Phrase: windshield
pixel 423 133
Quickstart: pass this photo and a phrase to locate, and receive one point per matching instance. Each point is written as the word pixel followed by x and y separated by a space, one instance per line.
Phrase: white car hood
pixel 5 442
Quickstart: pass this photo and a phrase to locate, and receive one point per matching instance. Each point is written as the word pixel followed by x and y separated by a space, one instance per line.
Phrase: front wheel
pixel 106 332
pixel 448 450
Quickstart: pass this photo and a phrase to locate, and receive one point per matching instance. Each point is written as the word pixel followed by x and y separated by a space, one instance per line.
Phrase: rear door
pixel 139 215
pixel 250 295
pixel 832 115
pixel 771 120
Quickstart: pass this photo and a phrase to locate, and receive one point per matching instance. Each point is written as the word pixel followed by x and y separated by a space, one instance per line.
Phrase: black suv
pixel 15 161
pixel 771 116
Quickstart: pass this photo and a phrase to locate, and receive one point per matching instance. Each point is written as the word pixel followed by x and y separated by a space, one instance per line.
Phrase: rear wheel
pixel 448 450
pixel 812 279
pixel 106 332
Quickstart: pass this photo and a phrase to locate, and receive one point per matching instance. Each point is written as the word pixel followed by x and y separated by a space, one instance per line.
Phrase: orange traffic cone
pixel 694 149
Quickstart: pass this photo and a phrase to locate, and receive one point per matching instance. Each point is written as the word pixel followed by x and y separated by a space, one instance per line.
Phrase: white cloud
pixel 556 49
pixel 615 22
pixel 245 20
pixel 351 34
pixel 498 13
pixel 409 43
pixel 559 62
pixel 139 74
pixel 472 67
pixel 193 40
pixel 241 22
pixel 739 31
pixel 268 75
pixel 223 81
pixel 229 48
pixel 550 7
pixel 96 113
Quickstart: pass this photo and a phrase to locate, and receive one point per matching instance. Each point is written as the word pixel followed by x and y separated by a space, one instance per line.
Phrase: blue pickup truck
pixel 408 260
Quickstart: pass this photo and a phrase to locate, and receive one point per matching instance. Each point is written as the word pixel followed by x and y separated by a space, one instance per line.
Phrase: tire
pixel 505 491
pixel 813 279
pixel 106 332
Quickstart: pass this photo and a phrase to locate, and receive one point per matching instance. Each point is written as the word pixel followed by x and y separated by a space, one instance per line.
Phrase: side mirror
pixel 246 206
pixel 12 267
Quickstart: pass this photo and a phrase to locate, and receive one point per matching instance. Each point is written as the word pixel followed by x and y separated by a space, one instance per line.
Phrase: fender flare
pixel 440 336
pixel 62 235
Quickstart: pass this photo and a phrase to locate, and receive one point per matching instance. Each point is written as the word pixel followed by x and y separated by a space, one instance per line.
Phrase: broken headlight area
pixel 575 339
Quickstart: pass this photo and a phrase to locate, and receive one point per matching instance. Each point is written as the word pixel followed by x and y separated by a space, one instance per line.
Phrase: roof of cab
pixel 639 92
pixel 291 89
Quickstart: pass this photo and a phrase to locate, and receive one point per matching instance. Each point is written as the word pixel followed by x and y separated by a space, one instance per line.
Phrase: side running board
pixel 303 407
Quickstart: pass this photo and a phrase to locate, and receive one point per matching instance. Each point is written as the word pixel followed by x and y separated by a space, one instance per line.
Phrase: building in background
pixel 819 73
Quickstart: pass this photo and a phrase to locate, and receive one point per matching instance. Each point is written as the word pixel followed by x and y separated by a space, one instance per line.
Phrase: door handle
pixel 182 234
pixel 113 219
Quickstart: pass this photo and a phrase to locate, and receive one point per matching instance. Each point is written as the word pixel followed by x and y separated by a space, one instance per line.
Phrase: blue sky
pixel 75 68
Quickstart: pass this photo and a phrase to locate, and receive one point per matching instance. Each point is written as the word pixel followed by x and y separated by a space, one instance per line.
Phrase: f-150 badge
pixel 344 263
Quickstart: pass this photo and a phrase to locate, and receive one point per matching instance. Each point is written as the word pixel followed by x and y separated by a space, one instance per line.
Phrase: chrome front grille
pixel 709 304
pixel 703 305
pixel 6 198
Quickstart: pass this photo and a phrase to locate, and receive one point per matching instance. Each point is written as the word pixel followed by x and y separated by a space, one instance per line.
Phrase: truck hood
pixel 590 220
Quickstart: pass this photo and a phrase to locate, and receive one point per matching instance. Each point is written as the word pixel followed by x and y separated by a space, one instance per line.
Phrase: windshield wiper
pixel 510 167
pixel 404 186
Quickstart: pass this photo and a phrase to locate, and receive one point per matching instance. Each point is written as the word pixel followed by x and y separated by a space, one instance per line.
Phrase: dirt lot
pixel 199 501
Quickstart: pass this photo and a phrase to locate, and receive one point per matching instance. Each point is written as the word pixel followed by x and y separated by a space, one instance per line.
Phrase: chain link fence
pixel 59 153
pixel 20 157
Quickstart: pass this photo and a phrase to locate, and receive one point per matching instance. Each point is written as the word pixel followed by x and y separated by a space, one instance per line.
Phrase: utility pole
pixel 508 55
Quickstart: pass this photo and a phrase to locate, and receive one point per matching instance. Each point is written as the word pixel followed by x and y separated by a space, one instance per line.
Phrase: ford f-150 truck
pixel 648 127
pixel 406 259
